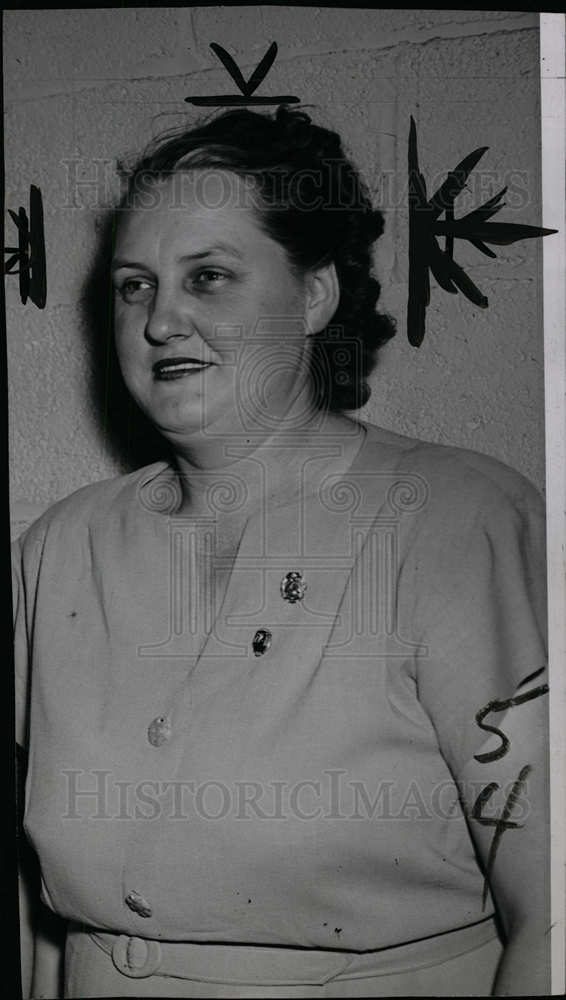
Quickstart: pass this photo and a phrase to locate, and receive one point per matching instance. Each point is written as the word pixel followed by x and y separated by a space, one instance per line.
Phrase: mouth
pixel 173 368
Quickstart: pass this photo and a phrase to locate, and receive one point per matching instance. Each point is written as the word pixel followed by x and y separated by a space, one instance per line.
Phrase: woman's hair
pixel 313 202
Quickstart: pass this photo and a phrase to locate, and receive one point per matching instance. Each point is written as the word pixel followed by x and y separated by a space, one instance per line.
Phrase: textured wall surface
pixel 83 87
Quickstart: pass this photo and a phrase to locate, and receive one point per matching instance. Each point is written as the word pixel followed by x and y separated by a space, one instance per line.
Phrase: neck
pixel 272 466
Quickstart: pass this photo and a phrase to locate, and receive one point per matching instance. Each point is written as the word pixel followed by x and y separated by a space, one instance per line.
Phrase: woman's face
pixel 209 318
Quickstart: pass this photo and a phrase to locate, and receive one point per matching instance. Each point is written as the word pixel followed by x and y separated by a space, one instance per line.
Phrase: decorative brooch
pixel 425 226
pixel 293 587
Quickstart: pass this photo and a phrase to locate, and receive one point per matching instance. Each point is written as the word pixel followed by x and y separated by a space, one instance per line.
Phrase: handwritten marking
pixel 532 676
pixel 503 823
pixel 246 87
pixel 29 255
pixel 233 101
pixel 500 706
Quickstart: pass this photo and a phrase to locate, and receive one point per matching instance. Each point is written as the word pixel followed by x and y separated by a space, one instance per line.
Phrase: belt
pixel 137 957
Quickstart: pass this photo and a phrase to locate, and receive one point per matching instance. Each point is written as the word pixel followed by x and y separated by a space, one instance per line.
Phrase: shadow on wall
pixel 127 434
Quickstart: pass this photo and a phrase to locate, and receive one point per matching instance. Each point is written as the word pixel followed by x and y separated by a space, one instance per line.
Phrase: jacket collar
pixel 322 538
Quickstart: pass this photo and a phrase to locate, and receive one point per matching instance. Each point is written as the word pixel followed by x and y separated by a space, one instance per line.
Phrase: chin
pixel 192 422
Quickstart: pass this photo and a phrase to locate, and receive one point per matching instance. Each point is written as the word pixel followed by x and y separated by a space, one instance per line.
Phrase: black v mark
pixel 247 87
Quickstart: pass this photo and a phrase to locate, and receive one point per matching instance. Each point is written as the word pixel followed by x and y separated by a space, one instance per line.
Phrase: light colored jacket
pixel 306 795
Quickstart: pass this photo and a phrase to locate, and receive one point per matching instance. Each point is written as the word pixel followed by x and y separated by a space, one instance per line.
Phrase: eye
pixel 134 290
pixel 209 278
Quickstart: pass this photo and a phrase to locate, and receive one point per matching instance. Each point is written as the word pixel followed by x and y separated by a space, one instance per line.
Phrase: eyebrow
pixel 217 248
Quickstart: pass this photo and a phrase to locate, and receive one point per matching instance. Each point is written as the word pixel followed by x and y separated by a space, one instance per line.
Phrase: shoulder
pixel 87 508
pixel 454 481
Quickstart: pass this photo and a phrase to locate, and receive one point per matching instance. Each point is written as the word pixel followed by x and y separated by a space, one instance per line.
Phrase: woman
pixel 271 745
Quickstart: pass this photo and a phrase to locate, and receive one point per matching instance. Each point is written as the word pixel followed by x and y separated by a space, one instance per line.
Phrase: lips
pixel 172 368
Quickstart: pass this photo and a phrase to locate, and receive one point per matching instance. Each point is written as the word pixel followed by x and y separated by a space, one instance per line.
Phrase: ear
pixel 322 297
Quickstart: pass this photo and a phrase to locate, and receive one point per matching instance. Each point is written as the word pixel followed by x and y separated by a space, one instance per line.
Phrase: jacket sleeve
pixel 42 933
pixel 21 655
pixel 482 579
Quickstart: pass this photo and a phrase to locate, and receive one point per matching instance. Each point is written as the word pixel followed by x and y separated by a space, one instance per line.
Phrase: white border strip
pixel 553 107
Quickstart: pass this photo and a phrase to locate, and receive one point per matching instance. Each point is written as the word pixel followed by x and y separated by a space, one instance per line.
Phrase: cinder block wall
pixel 83 87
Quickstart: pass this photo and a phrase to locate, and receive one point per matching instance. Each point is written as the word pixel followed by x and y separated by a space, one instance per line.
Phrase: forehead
pixel 192 204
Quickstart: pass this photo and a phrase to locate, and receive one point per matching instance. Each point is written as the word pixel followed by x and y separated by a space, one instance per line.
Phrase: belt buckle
pixel 136 957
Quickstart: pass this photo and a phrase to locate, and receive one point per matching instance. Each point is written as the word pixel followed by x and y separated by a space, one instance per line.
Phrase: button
pixel 159 731
pixel 293 587
pixel 138 904
pixel 261 641
pixel 136 957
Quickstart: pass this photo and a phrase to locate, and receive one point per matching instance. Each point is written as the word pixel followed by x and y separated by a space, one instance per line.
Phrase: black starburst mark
pixel 29 255
pixel 425 226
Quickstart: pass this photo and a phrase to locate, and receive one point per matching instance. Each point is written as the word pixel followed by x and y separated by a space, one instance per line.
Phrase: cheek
pixel 126 334
pixel 123 345
pixel 129 359
pixel 286 297
pixel 280 315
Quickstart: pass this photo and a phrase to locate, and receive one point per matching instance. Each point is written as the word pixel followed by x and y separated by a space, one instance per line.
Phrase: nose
pixel 168 319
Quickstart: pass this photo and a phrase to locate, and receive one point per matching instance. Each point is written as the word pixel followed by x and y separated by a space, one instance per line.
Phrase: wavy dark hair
pixel 313 202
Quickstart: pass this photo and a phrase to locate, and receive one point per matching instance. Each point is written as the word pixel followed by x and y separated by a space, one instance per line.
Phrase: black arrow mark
pixel 246 87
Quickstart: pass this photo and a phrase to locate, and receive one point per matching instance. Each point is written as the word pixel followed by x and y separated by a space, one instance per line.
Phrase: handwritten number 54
pixel 503 822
